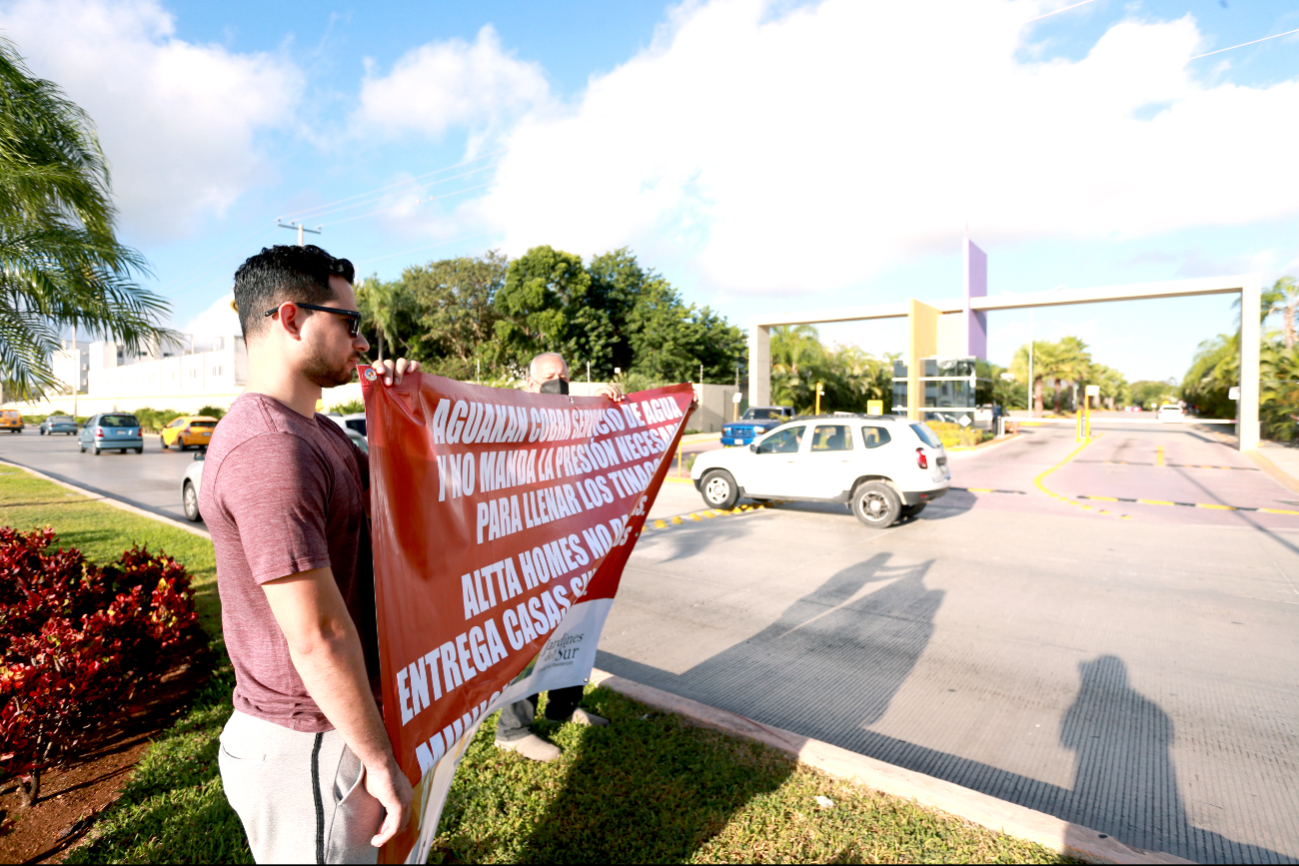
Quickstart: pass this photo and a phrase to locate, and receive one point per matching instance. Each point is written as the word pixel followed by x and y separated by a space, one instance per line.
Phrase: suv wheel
pixel 719 489
pixel 876 505
pixel 190 497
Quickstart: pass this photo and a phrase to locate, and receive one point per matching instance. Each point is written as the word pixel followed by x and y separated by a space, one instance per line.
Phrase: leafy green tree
pixel 543 307
pixel 457 313
pixel 60 262
pixel 671 340
pixel 1150 393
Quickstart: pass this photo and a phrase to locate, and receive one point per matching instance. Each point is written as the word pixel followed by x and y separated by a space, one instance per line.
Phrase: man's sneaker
pixel 582 717
pixel 532 747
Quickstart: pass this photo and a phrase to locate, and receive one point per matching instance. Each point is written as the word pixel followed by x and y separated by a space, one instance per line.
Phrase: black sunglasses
pixel 352 316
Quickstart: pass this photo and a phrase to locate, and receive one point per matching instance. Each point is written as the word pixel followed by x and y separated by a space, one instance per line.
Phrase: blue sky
pixel 764 156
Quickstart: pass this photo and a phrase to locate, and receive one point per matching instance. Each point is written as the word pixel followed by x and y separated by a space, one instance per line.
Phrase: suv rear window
pixel 201 425
pixel 118 421
pixel 926 435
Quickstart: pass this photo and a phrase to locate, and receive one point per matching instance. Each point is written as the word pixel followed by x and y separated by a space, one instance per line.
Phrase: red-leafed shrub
pixel 77 642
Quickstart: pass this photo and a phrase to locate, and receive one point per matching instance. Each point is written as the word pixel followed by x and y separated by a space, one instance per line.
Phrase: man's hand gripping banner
pixel 502 521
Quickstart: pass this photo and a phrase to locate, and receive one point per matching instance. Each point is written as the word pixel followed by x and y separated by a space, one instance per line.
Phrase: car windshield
pixel 762 414
pixel 926 435
pixel 118 421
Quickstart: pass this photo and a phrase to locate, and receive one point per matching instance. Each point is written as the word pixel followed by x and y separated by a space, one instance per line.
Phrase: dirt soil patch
pixel 73 796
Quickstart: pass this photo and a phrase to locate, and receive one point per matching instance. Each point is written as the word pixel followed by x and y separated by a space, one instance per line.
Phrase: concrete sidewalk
pixel 1064 837
pixel 1280 462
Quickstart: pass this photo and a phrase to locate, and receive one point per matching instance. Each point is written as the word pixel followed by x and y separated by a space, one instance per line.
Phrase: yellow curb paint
pixel 979 489
pixel 1215 507
pixel 1159 456
pixel 1277 511
pixel 1153 502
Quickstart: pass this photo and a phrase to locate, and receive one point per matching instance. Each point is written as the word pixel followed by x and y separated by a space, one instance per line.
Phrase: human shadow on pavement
pixel 829 664
pixel 1125 781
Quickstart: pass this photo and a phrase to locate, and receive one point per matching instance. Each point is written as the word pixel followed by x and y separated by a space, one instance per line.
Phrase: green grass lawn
pixel 648 789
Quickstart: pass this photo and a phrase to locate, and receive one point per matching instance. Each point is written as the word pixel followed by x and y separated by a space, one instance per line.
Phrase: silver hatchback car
pixel 111 431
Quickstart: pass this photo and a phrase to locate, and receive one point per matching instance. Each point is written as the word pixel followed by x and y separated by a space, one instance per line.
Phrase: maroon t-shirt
pixel 283 494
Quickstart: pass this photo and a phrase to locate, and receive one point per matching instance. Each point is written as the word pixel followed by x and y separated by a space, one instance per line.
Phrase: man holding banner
pixel 547 374
pixel 305 759
pixel 502 522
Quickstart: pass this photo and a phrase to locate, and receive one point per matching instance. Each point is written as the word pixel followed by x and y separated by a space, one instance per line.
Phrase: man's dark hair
pixel 285 273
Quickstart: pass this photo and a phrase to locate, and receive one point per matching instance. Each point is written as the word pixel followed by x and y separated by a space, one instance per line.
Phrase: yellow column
pixel 923 320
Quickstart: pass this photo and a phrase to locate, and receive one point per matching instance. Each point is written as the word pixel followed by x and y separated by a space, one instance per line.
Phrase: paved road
pixel 150 480
pixel 1127 666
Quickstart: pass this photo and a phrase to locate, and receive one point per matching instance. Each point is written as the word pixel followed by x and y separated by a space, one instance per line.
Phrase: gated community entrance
pixel 959 329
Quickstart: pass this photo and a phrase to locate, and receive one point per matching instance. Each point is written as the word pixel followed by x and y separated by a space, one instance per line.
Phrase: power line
pixel 312 210
pixel 427 247
pixel 1058 11
pixel 390 209
pixel 423 186
pixel 1243 44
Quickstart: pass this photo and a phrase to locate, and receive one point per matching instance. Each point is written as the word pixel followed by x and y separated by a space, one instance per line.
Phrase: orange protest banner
pixel 501 524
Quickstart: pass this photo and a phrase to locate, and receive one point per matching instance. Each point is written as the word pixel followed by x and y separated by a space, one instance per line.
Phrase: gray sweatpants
pixel 300 796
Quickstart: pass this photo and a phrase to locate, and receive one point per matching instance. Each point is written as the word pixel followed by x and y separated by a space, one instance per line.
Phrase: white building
pixel 71 366
pixel 118 381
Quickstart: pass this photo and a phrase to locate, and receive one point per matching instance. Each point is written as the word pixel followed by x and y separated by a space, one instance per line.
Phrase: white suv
pixel 883 466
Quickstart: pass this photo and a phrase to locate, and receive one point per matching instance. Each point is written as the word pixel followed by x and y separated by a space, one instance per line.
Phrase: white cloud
pixel 450 84
pixel 218 320
pixel 177 121
pixel 814 149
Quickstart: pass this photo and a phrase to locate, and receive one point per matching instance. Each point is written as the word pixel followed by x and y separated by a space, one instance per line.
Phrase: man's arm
pixel 326 652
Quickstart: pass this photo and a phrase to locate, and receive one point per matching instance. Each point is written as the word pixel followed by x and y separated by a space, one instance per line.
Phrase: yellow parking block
pixel 676 520
pixel 659 524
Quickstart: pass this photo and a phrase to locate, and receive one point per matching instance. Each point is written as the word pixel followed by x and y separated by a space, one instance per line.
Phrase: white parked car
pixel 190 485
pixel 193 480
pixel 1171 412
pixel 883 466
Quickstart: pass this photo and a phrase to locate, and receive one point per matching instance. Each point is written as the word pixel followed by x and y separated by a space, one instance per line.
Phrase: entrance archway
pixel 924 317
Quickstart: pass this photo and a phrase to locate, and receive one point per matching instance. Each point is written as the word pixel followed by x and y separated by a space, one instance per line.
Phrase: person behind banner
pixel 547 374
pixel 305 760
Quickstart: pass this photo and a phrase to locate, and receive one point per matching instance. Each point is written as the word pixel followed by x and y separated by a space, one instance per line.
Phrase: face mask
pixel 554 386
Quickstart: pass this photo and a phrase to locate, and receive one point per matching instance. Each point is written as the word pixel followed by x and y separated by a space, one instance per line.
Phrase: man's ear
pixel 289 321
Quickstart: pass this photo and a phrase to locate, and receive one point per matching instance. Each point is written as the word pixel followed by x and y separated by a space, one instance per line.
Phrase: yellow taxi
pixel 11 420
pixel 187 431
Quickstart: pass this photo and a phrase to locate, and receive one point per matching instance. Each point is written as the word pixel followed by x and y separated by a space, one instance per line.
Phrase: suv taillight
pixel 921 459
pixel 99 432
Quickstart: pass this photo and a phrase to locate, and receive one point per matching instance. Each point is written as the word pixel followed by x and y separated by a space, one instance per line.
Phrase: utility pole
pixel 77 373
pixel 300 227
pixel 1032 410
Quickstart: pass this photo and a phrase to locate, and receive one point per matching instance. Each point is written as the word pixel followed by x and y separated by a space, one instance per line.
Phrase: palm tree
pixel 60 264
pixel 796 352
pixel 1284 296
pixel 1045 359
pixel 1073 365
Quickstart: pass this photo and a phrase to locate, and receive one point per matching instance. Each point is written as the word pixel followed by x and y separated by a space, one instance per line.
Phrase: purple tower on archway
pixel 976 286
